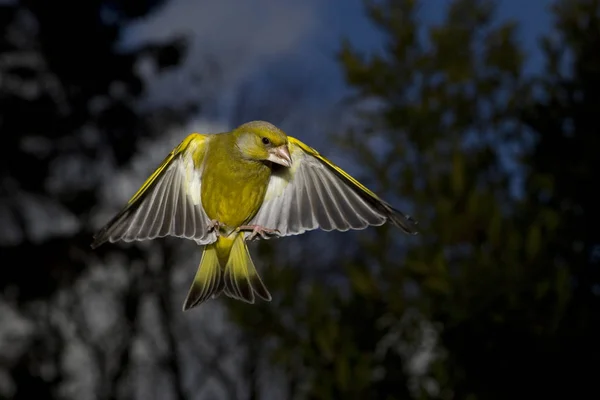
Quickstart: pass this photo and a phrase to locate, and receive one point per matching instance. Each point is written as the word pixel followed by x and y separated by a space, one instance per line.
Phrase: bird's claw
pixel 214 226
pixel 259 231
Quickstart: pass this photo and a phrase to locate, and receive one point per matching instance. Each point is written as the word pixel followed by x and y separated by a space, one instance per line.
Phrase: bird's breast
pixel 232 195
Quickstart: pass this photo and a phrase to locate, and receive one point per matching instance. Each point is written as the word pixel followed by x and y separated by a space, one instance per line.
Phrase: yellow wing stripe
pixel 196 138
pixel 331 165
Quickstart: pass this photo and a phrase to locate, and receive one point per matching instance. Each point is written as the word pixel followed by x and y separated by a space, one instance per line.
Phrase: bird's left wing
pixel 168 203
pixel 315 193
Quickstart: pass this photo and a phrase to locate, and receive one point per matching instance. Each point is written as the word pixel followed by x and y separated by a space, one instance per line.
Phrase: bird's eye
pixel 266 140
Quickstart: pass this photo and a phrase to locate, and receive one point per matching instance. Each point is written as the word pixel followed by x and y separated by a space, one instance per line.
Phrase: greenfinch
pixel 253 182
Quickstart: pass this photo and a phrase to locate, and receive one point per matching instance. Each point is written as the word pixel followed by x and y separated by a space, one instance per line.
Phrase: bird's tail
pixel 238 279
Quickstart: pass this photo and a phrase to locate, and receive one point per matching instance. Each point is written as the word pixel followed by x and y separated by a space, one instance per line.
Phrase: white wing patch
pixel 194 179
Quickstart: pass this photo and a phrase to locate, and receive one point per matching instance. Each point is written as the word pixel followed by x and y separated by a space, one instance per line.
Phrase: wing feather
pixel 168 203
pixel 315 193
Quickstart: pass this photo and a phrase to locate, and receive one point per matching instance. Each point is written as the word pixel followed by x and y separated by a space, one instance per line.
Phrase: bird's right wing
pixel 168 203
pixel 315 193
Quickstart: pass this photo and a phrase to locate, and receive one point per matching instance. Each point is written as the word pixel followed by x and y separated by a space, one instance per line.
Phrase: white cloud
pixel 239 37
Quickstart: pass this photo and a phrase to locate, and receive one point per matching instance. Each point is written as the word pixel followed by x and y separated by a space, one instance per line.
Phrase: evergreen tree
pixel 565 169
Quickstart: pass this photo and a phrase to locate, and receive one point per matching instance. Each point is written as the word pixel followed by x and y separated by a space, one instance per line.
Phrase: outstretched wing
pixel 168 203
pixel 315 193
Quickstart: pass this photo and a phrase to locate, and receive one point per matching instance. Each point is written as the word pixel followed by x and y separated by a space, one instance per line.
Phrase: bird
pixel 254 182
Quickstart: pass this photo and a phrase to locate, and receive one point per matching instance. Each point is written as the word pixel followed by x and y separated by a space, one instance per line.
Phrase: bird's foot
pixel 258 231
pixel 214 226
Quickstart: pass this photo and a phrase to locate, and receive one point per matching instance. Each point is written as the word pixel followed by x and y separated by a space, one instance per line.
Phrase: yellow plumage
pixel 221 189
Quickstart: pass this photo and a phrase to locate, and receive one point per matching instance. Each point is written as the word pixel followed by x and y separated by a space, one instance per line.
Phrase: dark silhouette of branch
pixel 165 302
pixel 210 356
pixel 109 381
pixel 131 304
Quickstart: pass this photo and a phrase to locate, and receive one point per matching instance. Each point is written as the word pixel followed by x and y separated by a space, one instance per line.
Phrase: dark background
pixel 497 298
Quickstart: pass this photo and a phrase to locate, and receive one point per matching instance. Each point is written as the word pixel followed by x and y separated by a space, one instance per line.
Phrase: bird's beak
pixel 280 155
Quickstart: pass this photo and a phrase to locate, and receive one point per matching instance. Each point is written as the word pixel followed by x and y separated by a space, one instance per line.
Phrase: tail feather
pixel 239 279
pixel 208 281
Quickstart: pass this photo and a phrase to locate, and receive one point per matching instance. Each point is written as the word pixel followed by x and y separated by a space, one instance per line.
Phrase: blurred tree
pixel 521 317
pixel 67 115
pixel 565 168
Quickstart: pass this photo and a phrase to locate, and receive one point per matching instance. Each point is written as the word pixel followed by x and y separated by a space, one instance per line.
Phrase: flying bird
pixel 223 189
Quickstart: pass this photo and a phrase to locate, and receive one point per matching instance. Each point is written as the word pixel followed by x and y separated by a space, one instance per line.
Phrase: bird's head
pixel 262 141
